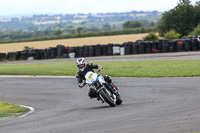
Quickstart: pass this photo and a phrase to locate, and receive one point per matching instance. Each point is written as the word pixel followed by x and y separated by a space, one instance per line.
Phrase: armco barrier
pixel 127 48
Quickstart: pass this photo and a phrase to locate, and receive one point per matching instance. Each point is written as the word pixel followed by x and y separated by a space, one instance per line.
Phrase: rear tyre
pixel 107 98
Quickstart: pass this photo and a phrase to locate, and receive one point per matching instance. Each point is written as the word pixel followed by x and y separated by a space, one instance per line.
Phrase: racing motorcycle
pixel 106 92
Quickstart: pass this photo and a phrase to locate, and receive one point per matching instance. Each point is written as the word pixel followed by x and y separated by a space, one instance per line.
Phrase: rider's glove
pixel 100 68
pixel 81 85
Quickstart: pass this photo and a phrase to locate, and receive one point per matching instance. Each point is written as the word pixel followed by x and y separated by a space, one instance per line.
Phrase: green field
pixel 10 110
pixel 167 68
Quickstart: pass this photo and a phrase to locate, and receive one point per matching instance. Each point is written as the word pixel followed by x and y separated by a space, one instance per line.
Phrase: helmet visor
pixel 81 65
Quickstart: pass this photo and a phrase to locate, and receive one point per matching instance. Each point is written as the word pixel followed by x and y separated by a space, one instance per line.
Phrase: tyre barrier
pixel 180 46
pixel 122 51
pixel 165 46
pixel 86 51
pixel 154 47
pixel 172 46
pixel 110 49
pixel 116 49
pixel 126 48
pixel 60 51
pixel 188 45
pixel 148 47
pixel 104 50
pixel 2 56
pixel 195 44
pixel 98 51
pixel 81 51
pixel 135 48
pixel 141 48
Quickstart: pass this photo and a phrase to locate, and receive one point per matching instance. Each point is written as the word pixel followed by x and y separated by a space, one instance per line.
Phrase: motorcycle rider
pixel 83 68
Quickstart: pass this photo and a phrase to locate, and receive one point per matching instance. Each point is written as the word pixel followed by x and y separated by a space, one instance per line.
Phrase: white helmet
pixel 81 64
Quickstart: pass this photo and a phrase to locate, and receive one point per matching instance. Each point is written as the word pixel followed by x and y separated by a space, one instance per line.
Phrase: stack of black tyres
pixel 135 48
pixel 2 56
pixel 92 51
pixel 128 48
pixel 110 49
pixel 148 48
pixel 86 51
pixel 35 53
pixel 172 46
pixel 165 46
pixel 30 53
pixel 66 54
pixel 53 52
pixel 81 51
pixel 98 50
pixel 141 48
pixel 42 54
pixel 180 46
pixel 188 45
pixel 160 45
pixel 194 44
pixel 72 51
pixel 76 52
pixel 104 50
pixel 45 54
pixel 12 55
pixel 49 53
pixel 154 47
pixel 198 43
pixel 60 50
pixel 24 54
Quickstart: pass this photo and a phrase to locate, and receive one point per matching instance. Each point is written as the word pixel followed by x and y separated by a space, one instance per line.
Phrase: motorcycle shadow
pixel 99 107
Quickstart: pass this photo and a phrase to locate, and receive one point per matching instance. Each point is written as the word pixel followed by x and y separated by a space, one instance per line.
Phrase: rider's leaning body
pixel 83 68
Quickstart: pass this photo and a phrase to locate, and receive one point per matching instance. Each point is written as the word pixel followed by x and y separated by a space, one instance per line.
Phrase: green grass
pixel 10 110
pixel 170 68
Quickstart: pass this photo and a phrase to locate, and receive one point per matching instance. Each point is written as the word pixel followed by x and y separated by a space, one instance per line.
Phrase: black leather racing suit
pixel 80 75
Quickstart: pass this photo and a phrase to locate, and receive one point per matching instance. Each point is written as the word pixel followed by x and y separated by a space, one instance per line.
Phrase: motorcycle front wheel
pixel 107 97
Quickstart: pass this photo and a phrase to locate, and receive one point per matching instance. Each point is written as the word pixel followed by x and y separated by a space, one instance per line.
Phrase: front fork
pixel 113 89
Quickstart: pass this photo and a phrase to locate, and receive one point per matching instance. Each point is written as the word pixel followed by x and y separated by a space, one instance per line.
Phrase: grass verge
pixel 10 110
pixel 167 68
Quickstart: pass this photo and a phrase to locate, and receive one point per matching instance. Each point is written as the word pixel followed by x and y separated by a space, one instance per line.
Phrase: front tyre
pixel 107 98
pixel 119 100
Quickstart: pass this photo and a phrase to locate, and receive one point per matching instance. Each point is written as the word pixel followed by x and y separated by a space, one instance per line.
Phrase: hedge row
pixel 87 34
pixel 127 48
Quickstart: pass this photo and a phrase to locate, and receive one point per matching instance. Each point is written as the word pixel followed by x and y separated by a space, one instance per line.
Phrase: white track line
pixel 31 110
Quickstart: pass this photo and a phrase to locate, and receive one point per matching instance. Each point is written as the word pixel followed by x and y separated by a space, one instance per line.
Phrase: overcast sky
pixel 14 7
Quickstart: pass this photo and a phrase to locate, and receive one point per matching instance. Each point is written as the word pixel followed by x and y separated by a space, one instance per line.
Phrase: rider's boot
pixel 92 94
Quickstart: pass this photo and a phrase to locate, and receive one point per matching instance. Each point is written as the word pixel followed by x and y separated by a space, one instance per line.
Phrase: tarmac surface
pixel 153 105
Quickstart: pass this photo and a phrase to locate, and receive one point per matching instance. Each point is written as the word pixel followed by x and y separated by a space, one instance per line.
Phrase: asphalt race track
pixel 151 105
